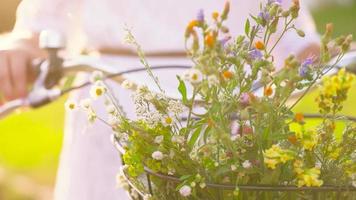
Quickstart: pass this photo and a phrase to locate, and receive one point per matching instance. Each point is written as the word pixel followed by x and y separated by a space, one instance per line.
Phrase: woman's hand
pixel 16 56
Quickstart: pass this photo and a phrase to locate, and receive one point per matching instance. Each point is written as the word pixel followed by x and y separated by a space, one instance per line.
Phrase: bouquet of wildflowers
pixel 223 133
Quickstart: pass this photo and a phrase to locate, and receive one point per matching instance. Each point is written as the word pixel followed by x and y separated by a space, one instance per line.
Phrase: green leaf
pixel 182 90
pixel 194 136
pixel 247 27
pixel 184 177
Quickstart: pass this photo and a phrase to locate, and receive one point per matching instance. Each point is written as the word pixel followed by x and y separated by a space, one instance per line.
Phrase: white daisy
pixel 195 76
pixel 96 76
pixel 167 121
pixel 70 105
pixel 85 103
pixel 97 90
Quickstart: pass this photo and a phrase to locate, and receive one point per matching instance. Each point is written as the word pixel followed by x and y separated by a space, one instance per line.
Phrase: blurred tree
pixel 7 14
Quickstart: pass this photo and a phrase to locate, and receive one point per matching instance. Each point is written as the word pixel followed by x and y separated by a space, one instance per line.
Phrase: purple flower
pixel 305 67
pixel 278 2
pixel 200 15
pixel 264 15
pixel 255 54
pixel 224 40
pixel 245 99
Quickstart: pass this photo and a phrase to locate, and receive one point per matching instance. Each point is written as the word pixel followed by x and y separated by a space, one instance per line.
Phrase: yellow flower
pixel 271 163
pixel 308 139
pixel 192 24
pixel 275 155
pixel 310 178
pixel 215 15
pixel 335 153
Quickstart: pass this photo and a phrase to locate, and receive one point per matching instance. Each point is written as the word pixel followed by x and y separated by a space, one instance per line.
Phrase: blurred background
pixel 30 141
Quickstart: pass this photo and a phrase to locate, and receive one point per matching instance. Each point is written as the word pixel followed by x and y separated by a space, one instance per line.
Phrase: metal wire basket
pixel 146 186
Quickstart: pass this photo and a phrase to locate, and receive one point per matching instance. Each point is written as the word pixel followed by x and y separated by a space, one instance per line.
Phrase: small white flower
pixel 111 109
pixel 194 76
pixel 216 164
pixel 171 154
pixel 159 139
pixel 112 138
pixel 353 183
pixel 185 191
pixel 171 172
pixel 202 185
pixel 97 90
pixel 149 96
pixel 121 181
pixel 134 194
pixel 235 137
pixel 147 197
pixel 85 103
pixel 141 89
pixel 167 121
pixel 233 168
pixel 157 155
pixel 193 184
pixel 113 121
pixel 246 164
pixel 213 80
pixel 318 165
pixel 96 76
pixel 70 105
pixel 175 107
pixel 178 139
pixel 127 84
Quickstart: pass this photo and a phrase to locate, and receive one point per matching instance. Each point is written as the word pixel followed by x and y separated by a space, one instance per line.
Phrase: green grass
pixel 342 17
pixel 30 141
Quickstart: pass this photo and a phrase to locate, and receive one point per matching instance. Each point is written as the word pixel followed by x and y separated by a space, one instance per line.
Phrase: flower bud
pixel 225 29
pixel 285 13
pixel 215 15
pixel 226 10
pixel 274 24
pixel 300 33
pixel 329 29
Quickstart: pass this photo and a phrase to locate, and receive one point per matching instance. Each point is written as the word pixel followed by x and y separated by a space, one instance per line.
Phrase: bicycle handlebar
pixel 54 68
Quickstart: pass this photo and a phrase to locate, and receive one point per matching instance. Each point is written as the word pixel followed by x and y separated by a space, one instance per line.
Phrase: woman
pixel 89 162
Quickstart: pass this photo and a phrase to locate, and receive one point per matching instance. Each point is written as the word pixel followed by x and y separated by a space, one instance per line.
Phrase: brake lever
pixel 48 71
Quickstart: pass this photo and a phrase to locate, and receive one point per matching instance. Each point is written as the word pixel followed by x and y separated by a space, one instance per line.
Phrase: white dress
pixel 89 162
